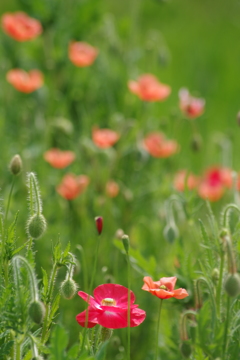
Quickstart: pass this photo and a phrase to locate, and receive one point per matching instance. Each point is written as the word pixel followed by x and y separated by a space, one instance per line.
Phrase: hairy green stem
pixel 158 327
pixel 9 200
pixel 129 303
pixel 219 287
pixel 226 328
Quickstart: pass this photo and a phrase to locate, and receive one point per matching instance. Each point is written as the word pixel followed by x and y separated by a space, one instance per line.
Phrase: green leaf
pixel 58 343
pixel 102 351
pixel 45 284
pixel 54 308
pixel 5 349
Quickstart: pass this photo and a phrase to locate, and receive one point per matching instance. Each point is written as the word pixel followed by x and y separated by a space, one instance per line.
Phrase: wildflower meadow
pixel 120 180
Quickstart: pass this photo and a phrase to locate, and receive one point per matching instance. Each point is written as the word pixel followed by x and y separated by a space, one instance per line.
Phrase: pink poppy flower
pixel 109 308
pixel 112 189
pixel 190 106
pixel 59 159
pixel 164 288
pixel 157 146
pixel 82 54
pixel 72 186
pixel 214 182
pixel 20 26
pixel 183 178
pixel 25 82
pixel 148 88
pixel 104 138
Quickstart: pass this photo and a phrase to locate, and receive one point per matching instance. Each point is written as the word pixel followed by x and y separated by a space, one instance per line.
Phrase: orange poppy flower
pixel 72 186
pixel 104 138
pixel 59 159
pixel 183 178
pixel 157 146
pixel 148 88
pixel 20 26
pixel 214 182
pixel 112 189
pixel 190 106
pixel 164 288
pixel 25 82
pixel 82 54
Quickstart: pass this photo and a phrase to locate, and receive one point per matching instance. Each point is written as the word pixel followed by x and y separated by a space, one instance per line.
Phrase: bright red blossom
pixel 190 106
pixel 25 82
pixel 82 54
pixel 109 308
pixel 20 26
pixel 164 288
pixel 148 88
pixel 104 138
pixel 214 183
pixel 59 159
pixel 72 186
pixel 157 146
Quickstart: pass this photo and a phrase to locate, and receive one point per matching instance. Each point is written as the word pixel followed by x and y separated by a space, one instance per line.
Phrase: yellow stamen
pixel 163 287
pixel 108 302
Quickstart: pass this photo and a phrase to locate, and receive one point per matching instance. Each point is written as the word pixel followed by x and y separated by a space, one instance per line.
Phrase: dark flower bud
pixel 68 289
pixel 186 349
pixel 232 284
pixel 37 311
pixel 170 232
pixel 36 226
pixel 99 224
pixel 15 165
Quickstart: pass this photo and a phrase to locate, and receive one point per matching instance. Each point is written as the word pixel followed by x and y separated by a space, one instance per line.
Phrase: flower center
pixel 108 302
pixel 163 287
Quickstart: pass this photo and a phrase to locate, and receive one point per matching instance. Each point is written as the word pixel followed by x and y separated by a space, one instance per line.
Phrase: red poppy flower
pixel 104 138
pixel 183 178
pixel 20 26
pixel 156 144
pixel 190 106
pixel 148 88
pixel 82 54
pixel 112 189
pixel 164 288
pixel 25 82
pixel 72 186
pixel 109 308
pixel 59 159
pixel 214 182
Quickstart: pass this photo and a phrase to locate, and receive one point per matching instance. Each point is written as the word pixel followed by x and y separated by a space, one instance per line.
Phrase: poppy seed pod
pixel 36 226
pixel 15 165
pixel 37 311
pixel 186 349
pixel 232 284
pixel 68 289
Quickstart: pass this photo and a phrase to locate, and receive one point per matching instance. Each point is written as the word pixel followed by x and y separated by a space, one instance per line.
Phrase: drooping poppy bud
pixel 36 226
pixel 99 224
pixel 186 349
pixel 37 311
pixel 68 289
pixel 232 284
pixel 15 165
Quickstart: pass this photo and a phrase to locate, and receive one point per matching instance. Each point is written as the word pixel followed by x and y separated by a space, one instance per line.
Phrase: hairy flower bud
pixel 106 334
pixel 232 284
pixel 15 165
pixel 36 226
pixel 37 311
pixel 186 349
pixel 68 288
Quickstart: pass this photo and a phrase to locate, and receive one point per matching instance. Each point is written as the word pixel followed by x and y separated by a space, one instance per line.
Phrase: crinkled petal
pixel 113 320
pixel 180 293
pixel 113 291
pixel 89 299
pixel 92 318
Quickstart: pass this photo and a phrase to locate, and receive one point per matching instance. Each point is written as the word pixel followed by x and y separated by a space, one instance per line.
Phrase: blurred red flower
pixel 59 159
pixel 112 189
pixel 72 186
pixel 183 178
pixel 157 146
pixel 164 288
pixel 20 26
pixel 190 106
pixel 214 182
pixel 148 88
pixel 104 138
pixel 109 308
pixel 25 82
pixel 82 54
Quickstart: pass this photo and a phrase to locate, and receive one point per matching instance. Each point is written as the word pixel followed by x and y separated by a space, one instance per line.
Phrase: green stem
pixel 128 314
pixel 219 288
pixel 226 328
pixel 45 325
pixel 228 208
pixel 17 350
pixel 158 327
pixel 9 200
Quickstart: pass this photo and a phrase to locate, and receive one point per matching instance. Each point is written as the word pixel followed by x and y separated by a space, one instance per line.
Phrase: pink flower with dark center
pixel 214 183
pixel 164 288
pixel 20 26
pixel 109 308
pixel 190 106
pixel 157 146
pixel 148 88
pixel 82 54
pixel 59 159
